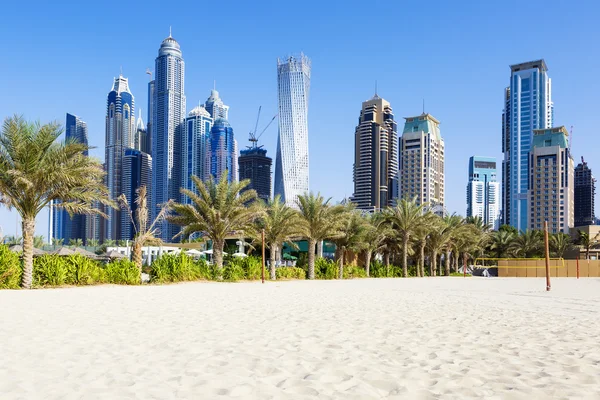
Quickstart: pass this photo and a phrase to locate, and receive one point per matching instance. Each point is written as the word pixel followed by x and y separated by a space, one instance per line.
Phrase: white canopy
pixel 239 255
pixel 210 252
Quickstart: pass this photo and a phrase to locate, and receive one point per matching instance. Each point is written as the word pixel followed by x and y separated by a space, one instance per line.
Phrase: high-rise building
pixel 62 225
pixel 528 106
pixel 168 117
pixel 256 166
pixel 120 135
pixel 137 172
pixel 196 141
pixel 422 162
pixel 150 120
pixel 142 139
pixel 234 162
pixel 585 191
pixel 291 163
pixel 215 106
pixel 551 181
pixel 375 156
pixel 220 151
pixel 483 191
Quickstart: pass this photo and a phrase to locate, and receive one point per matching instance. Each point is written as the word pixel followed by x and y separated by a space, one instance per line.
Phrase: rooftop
pixel 540 64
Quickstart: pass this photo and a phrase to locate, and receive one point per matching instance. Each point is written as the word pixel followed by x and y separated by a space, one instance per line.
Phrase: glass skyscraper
pixel 291 163
pixel 137 172
pixel 215 106
pixel 196 141
pixel 168 117
pixel 120 135
pixel 221 150
pixel 483 191
pixel 528 106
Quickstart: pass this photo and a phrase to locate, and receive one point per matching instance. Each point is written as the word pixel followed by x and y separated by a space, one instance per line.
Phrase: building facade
pixel 291 162
pixel 215 106
pixel 168 116
pixel 422 162
pixel 61 224
pixel 375 156
pixel 196 141
pixel 551 181
pixel 483 191
pixel 142 138
pixel 256 166
pixel 137 172
pixel 221 150
pixel 528 106
pixel 585 191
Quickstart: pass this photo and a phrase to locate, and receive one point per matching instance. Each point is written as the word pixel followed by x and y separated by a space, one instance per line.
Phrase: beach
pixel 432 338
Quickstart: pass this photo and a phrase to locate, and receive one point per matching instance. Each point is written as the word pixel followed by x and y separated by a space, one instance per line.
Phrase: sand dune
pixel 443 338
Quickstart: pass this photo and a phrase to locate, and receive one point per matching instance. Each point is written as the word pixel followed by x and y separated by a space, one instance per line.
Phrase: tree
pixel 109 243
pixel 318 221
pixel 280 223
pixel 13 240
pixel 479 224
pixel 425 225
pixel 586 242
pixel 351 234
pixel 75 242
pixel 218 210
pixel 508 228
pixel 453 225
pixel 559 243
pixel 375 231
pixel 501 241
pixel 92 242
pixel 36 169
pixel 143 232
pixel 38 241
pixel 122 243
pixel 404 218
pixel 438 240
pixel 528 244
pixel 57 242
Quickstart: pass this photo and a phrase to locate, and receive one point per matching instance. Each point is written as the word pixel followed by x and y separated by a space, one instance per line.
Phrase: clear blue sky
pixel 455 55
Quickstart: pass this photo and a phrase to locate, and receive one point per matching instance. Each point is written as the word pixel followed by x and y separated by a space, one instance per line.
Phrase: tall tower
pixel 375 156
pixel 62 225
pixel 422 161
pixel 585 191
pixel 142 140
pixel 137 172
pixel 120 134
pixel 195 147
pixel 551 194
pixel 483 191
pixel 215 106
pixel 168 115
pixel 291 163
pixel 528 106
pixel 220 150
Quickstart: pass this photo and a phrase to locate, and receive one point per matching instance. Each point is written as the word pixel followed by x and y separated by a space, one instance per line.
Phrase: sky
pixel 454 56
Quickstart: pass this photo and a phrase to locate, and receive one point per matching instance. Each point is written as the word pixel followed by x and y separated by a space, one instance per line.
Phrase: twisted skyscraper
pixel 291 165
pixel 168 115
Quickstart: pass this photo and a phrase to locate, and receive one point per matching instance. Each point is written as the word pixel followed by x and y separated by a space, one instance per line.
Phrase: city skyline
pixel 342 79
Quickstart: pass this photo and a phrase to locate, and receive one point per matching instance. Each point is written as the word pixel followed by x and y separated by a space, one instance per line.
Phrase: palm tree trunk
pixel 405 256
pixel 368 262
pixel 448 252
pixel 422 258
pixel 218 256
pixel 455 257
pixel 28 228
pixel 387 263
pixel 433 265
pixel 272 257
pixel 341 265
pixel 137 256
pixel 311 258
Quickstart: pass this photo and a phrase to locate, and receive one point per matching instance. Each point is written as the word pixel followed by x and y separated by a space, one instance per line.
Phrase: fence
pixel 536 268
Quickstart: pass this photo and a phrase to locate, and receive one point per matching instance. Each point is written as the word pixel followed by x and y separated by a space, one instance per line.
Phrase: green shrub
pixel 290 273
pixel 325 269
pixel 252 267
pixel 179 267
pixel 122 272
pixel 82 270
pixel 49 270
pixel 353 271
pixel 233 272
pixel 10 269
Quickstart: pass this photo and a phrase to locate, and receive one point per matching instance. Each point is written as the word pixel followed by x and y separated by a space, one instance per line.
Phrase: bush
pixel 352 271
pixel 290 273
pixel 122 272
pixel 325 269
pixel 10 269
pixel 233 271
pixel 82 270
pixel 49 270
pixel 239 268
pixel 179 268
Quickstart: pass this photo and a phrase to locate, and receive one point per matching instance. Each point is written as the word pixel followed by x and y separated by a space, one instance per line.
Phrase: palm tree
pixel 36 170
pixel 218 210
pixel 351 234
pixel 559 243
pixel 425 225
pixel 478 222
pixel 501 241
pixel 38 241
pixel 75 242
pixel 143 234
pixel 92 242
pixel 586 242
pixel 121 243
pixel 57 242
pixel 452 225
pixel 280 223
pixel 438 240
pixel 373 236
pixel 528 244
pixel 319 221
pixel 12 240
pixel 404 218
pixel 109 243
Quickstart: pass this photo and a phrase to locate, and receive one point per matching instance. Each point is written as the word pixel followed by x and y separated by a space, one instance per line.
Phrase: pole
pixel 547 256
pixel 577 258
pixel 263 256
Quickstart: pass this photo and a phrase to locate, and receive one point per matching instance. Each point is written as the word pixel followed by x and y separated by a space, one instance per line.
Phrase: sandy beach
pixel 443 338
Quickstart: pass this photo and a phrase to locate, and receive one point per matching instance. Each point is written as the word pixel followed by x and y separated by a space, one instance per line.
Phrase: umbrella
pixel 240 255
pixel 63 251
pixel 114 254
pixel 210 252
pixel 193 252
pixel 84 252
pixel 288 256
pixel 17 248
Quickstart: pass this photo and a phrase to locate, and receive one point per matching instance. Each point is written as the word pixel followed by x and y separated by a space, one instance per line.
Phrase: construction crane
pixel 253 137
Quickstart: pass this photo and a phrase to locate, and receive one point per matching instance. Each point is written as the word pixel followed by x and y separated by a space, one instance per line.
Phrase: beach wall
pixel 558 268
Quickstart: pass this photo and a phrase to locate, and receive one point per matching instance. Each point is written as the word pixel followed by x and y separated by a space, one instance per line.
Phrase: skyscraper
pixel 62 225
pixel 235 174
pixel 483 191
pixel 256 166
pixel 585 190
pixel 120 135
pixel 291 163
pixel 375 156
pixel 528 106
pixel 137 172
pixel 551 189
pixel 142 139
pixel 220 151
pixel 196 141
pixel 422 162
pixel 215 106
pixel 168 115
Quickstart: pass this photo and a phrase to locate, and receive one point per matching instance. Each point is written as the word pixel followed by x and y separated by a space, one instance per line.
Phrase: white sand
pixel 444 338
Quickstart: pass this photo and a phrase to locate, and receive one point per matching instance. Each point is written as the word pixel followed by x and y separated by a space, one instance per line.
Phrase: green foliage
pixel 239 268
pixel 325 269
pixel 49 270
pixel 82 270
pixel 290 273
pixel 10 269
pixel 122 272
pixel 353 271
pixel 178 268
pixel 233 272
